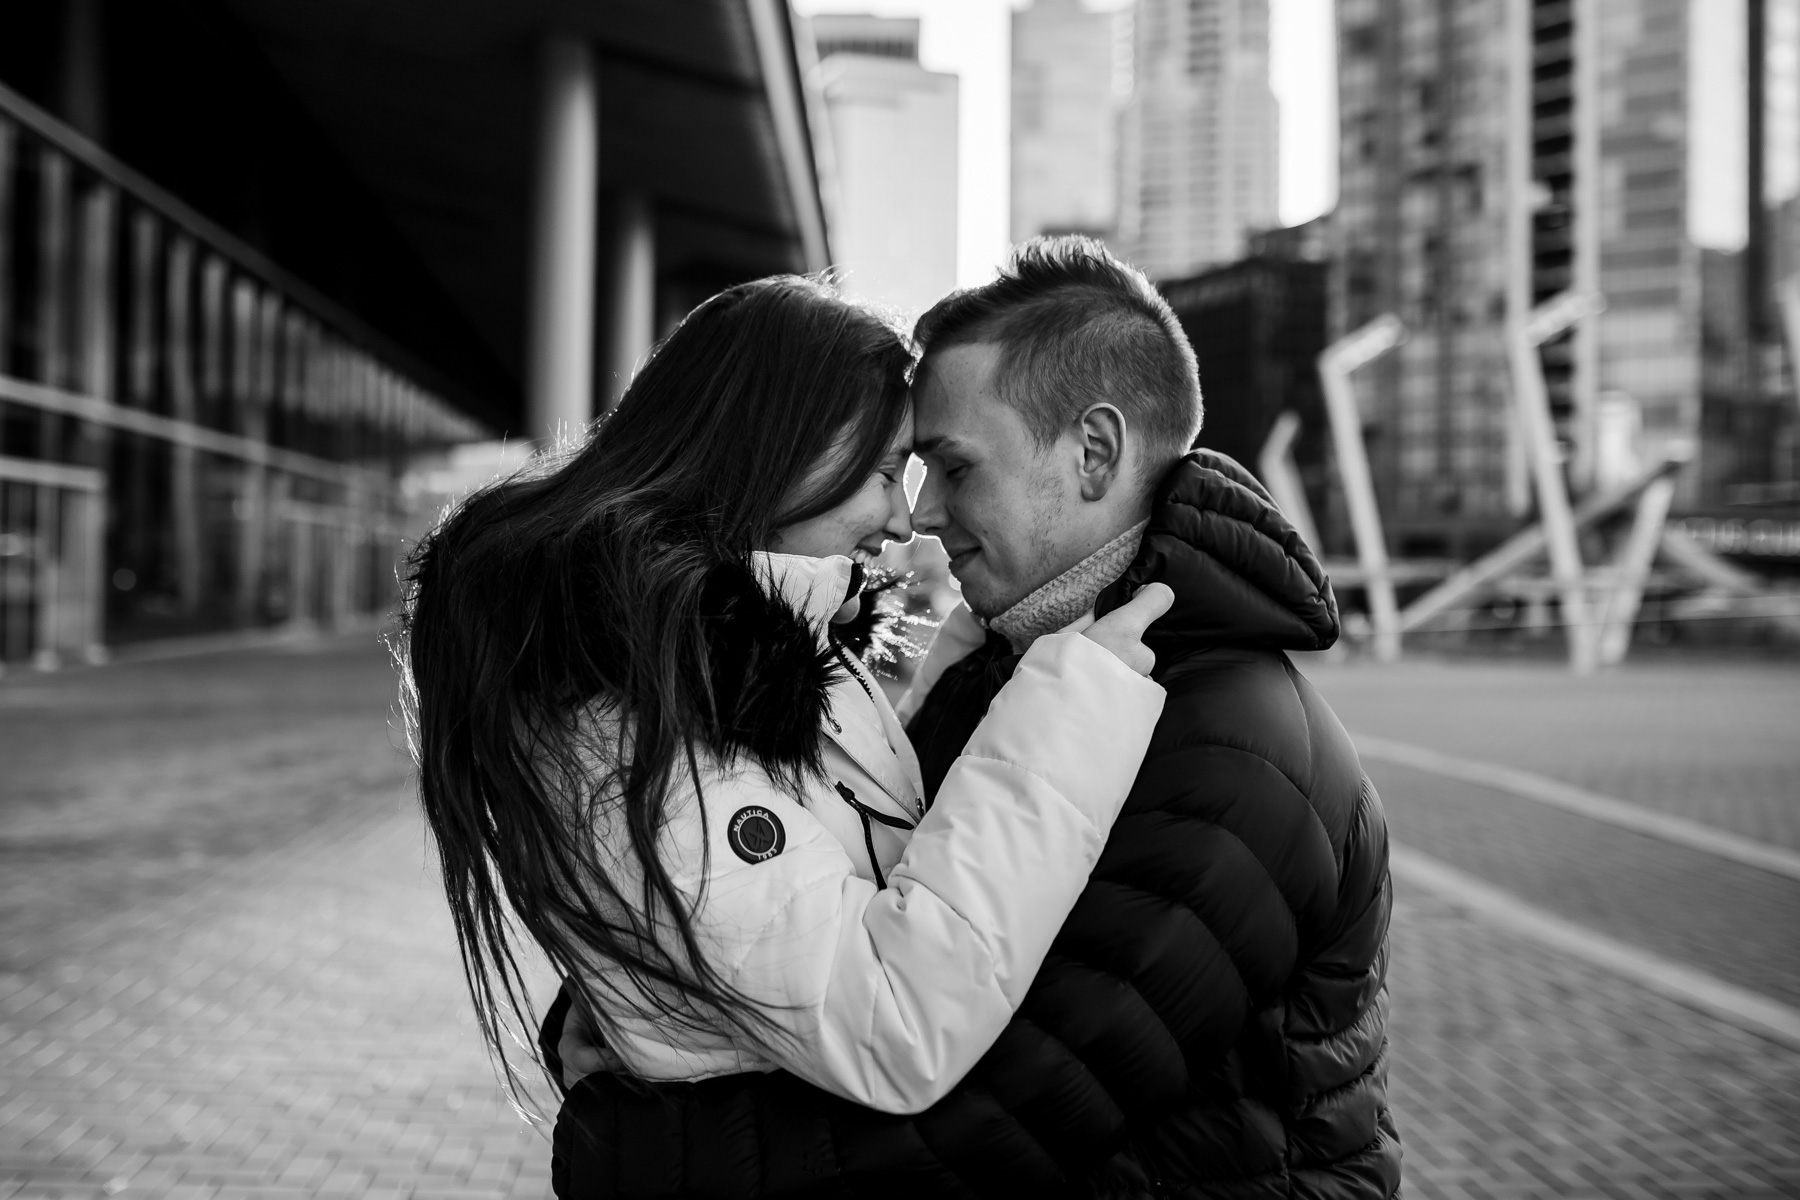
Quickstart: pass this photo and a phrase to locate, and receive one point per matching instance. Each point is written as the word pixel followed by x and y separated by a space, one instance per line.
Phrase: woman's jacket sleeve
pixel 888 997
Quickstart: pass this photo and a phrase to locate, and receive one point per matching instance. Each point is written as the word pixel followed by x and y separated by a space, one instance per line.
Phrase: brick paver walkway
pixel 1525 1075
pixel 1738 922
pixel 1524 1072
pixel 226 972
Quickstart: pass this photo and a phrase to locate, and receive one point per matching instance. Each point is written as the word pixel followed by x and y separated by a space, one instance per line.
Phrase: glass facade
pixel 191 441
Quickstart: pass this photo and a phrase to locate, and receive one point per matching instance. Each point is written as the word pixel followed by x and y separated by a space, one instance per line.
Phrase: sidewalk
pixel 227 972
pixel 1521 1070
pixel 1522 1074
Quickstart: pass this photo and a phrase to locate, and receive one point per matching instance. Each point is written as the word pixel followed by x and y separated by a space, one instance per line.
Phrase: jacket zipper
pixel 869 816
pixel 837 648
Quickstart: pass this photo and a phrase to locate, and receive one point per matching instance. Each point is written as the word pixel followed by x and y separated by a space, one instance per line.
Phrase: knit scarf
pixel 1070 595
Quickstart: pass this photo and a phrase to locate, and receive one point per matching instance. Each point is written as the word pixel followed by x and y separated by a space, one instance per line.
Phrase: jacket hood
pixel 1241 575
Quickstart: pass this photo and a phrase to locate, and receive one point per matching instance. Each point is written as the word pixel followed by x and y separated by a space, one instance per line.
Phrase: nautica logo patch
pixel 755 834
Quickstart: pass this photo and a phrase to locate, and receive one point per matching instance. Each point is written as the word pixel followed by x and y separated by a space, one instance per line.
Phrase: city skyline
pixel 1617 144
pixel 1198 135
pixel 1070 74
pixel 970 38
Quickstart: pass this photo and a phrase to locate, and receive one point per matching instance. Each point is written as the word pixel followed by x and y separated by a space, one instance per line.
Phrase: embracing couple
pixel 1100 910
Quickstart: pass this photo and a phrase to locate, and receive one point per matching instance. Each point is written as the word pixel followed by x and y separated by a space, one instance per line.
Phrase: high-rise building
pixel 893 135
pixel 1066 76
pixel 1257 326
pixel 1420 231
pixel 1198 136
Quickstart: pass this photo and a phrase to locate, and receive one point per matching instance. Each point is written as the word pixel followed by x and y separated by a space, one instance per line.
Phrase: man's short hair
pixel 1077 327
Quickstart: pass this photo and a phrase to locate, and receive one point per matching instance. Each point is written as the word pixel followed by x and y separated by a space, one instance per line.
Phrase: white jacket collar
pixel 862 723
pixel 815 588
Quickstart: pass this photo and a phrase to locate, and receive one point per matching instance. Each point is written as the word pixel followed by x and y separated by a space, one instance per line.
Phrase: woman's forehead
pixel 903 436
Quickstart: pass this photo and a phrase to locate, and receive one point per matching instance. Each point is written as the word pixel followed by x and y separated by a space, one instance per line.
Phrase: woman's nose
pixel 928 507
pixel 899 525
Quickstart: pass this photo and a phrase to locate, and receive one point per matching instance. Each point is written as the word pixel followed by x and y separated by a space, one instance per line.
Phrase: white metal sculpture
pixel 1336 363
pixel 1275 466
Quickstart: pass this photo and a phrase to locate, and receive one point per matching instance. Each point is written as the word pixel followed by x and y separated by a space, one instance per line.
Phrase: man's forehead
pixel 943 423
pixel 955 397
pixel 961 367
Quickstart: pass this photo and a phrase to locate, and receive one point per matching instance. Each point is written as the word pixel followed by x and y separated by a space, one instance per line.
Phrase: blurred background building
pixel 1688 352
pixel 260 262
pixel 1149 124
pixel 894 141
pixel 1258 326
pixel 1070 70
pixel 1420 230
pixel 276 278
pixel 1197 137
pixel 1152 124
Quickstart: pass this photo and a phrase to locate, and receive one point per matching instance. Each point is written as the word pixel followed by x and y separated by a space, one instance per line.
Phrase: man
pixel 1211 1019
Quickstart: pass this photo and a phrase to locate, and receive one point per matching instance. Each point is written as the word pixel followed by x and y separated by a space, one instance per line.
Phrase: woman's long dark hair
pixel 551 592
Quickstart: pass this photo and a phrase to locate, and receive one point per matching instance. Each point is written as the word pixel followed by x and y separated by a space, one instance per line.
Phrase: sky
pixel 1717 162
pixel 971 38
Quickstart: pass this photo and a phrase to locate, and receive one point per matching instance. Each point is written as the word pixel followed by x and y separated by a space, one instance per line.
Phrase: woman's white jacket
pixel 886 995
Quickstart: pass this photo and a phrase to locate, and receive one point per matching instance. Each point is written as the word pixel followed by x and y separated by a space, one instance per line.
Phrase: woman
pixel 638 739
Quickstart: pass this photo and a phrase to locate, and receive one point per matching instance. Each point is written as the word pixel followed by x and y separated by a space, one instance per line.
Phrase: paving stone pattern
pixel 203 999
pixel 1521 1075
pixel 1738 922
pixel 226 971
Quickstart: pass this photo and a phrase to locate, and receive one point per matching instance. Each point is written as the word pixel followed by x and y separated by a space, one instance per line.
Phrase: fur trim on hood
pixel 773 655
pixel 769 670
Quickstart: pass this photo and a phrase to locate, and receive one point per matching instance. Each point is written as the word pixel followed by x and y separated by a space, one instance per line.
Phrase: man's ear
pixel 1102 435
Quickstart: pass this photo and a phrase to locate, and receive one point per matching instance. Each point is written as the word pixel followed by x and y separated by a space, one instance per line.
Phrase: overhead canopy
pixel 434 105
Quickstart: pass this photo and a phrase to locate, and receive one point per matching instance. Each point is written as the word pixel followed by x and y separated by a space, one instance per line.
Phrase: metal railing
pixel 190 438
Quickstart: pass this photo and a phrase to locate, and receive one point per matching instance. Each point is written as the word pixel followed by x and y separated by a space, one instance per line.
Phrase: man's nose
pixel 928 515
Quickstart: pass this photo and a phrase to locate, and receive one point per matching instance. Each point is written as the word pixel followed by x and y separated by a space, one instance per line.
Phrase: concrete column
pixel 559 366
pixel 631 310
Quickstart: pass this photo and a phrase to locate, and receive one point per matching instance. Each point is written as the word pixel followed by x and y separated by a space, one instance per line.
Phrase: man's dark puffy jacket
pixel 1212 1018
